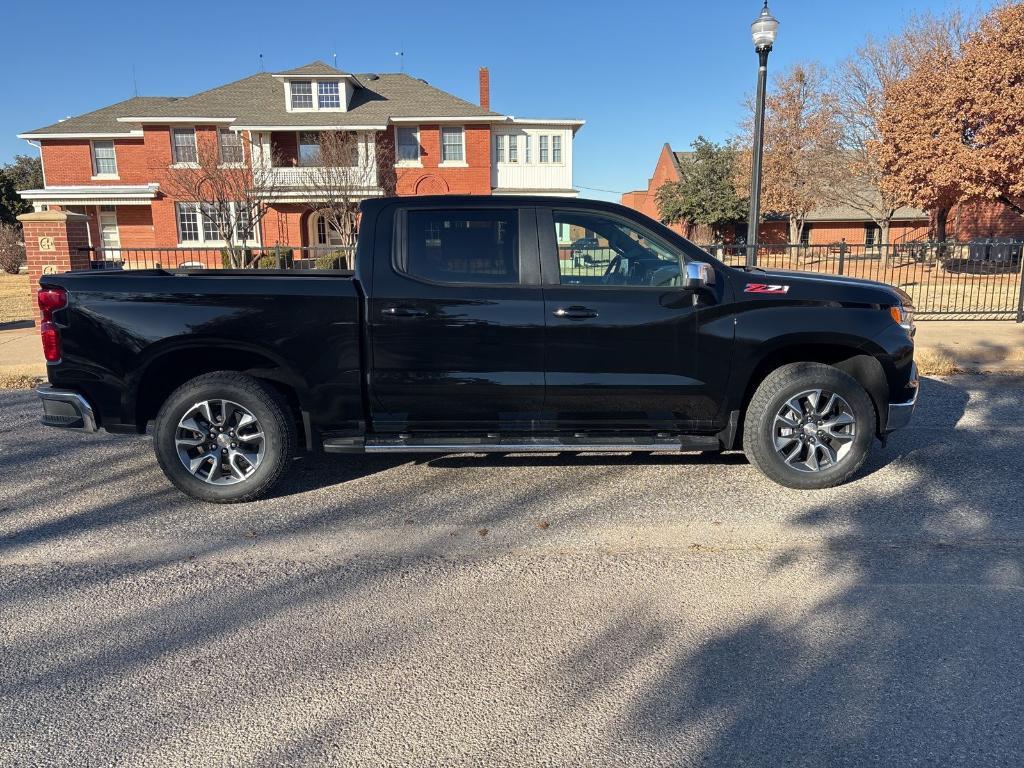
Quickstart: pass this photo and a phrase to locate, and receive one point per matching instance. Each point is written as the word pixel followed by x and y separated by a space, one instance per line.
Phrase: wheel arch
pixel 851 359
pixel 166 368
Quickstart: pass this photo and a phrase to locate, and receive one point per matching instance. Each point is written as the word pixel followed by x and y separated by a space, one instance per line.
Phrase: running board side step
pixel 521 444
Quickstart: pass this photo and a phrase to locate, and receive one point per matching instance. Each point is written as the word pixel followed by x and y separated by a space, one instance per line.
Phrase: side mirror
pixel 698 275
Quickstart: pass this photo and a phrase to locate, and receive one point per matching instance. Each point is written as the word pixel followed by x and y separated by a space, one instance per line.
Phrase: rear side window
pixel 462 246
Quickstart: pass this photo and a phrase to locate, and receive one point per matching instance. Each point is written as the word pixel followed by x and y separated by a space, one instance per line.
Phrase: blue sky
pixel 640 73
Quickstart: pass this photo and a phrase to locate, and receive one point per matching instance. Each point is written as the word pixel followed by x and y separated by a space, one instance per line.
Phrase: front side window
pixel 526 147
pixel 328 95
pixel 183 145
pixel 408 144
pixel 499 148
pixel 302 94
pixel 309 148
pixel 513 149
pixel 596 249
pixel 104 161
pixel 556 149
pixel 452 145
pixel 543 149
pixel 200 222
pixel 230 142
pixel 462 246
pixel 211 222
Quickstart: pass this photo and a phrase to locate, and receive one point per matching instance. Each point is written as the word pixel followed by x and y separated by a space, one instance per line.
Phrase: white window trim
pixel 463 163
pixel 535 156
pixel 314 85
pixel 418 162
pixel 202 241
pixel 92 159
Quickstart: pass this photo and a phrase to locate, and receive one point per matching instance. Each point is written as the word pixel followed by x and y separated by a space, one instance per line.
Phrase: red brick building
pixel 826 224
pixel 115 164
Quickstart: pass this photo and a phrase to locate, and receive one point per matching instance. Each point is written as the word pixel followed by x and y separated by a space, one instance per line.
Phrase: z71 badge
pixel 765 288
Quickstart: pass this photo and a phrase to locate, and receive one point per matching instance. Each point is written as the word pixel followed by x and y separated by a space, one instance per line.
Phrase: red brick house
pixel 114 164
pixel 826 224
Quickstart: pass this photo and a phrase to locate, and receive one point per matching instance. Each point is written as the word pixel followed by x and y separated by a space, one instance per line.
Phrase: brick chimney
pixel 485 88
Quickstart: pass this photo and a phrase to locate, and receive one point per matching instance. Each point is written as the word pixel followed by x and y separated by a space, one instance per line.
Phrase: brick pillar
pixel 55 241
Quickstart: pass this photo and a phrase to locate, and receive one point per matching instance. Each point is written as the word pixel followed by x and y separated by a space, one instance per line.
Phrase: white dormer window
pixel 328 96
pixel 302 94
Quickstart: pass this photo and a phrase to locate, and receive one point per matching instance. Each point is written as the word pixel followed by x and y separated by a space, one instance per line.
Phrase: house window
pixel 556 149
pixel 872 235
pixel 408 144
pixel 183 145
pixel 805 236
pixel 526 147
pixel 328 96
pixel 302 94
pixel 199 222
pixel 188 223
pixel 513 149
pixel 499 148
pixel 309 148
pixel 104 162
pixel 543 149
pixel 452 150
pixel 231 152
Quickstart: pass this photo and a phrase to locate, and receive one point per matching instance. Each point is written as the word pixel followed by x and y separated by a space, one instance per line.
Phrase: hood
pixel 791 284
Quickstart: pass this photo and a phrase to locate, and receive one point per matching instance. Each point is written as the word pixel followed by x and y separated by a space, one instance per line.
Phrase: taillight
pixel 50 300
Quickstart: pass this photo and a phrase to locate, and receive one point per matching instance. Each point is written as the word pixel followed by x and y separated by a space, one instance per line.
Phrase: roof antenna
pixel 335 55
pixel 401 60
pixel 261 62
pixel 135 83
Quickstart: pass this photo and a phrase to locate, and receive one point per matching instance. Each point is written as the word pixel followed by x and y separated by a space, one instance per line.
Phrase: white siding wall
pixel 534 175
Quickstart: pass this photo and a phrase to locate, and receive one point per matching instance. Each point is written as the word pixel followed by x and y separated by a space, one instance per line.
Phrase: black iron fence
pixel 323 257
pixel 981 279
pixel 975 280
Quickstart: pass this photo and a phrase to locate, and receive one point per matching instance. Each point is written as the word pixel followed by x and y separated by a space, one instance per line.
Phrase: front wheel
pixel 224 437
pixel 809 426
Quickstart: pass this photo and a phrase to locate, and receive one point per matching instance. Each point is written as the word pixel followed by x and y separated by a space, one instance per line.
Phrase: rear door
pixel 621 349
pixel 456 321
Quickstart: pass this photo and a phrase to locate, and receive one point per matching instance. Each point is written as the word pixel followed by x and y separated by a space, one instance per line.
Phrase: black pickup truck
pixel 475 324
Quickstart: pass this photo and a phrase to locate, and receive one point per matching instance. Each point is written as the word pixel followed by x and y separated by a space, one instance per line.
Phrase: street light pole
pixel 764 31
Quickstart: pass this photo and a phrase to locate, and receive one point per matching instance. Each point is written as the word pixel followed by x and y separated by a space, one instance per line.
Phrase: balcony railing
pixel 304 177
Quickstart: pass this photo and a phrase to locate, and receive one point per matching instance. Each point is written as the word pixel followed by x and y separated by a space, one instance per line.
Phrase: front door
pixel 621 349
pixel 457 323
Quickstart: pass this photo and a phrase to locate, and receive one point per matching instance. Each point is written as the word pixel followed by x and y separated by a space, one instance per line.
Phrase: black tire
pixel 263 402
pixel 772 395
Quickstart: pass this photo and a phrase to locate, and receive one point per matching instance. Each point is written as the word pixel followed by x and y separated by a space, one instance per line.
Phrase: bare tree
pixel 861 85
pixel 233 189
pixel 347 168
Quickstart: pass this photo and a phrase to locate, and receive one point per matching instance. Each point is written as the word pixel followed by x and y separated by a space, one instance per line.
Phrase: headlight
pixel 903 317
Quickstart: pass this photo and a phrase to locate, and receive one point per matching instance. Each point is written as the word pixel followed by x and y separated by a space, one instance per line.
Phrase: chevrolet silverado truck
pixel 473 325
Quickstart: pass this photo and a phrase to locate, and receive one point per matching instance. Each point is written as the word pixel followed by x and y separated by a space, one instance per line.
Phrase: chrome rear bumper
pixel 901 413
pixel 66 409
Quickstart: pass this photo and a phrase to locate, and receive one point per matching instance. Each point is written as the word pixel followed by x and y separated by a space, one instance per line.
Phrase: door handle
pixel 403 312
pixel 575 313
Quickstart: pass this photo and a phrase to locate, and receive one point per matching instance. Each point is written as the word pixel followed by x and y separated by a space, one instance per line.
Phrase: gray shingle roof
pixel 313 68
pixel 105 120
pixel 260 100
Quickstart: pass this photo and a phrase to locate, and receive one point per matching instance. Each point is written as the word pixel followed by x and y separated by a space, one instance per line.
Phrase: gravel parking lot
pixel 521 610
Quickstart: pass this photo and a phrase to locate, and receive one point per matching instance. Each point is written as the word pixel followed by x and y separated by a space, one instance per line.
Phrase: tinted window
pixel 594 249
pixel 462 246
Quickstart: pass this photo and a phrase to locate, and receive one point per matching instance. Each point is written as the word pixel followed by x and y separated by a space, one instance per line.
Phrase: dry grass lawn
pixel 15 299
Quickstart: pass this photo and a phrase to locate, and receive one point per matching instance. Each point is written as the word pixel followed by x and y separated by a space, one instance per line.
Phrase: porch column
pixel 55 242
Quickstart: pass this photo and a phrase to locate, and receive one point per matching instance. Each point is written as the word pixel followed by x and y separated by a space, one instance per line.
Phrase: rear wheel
pixel 809 426
pixel 224 437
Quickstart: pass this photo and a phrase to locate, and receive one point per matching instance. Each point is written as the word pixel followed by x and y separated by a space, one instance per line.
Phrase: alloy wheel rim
pixel 814 430
pixel 219 442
